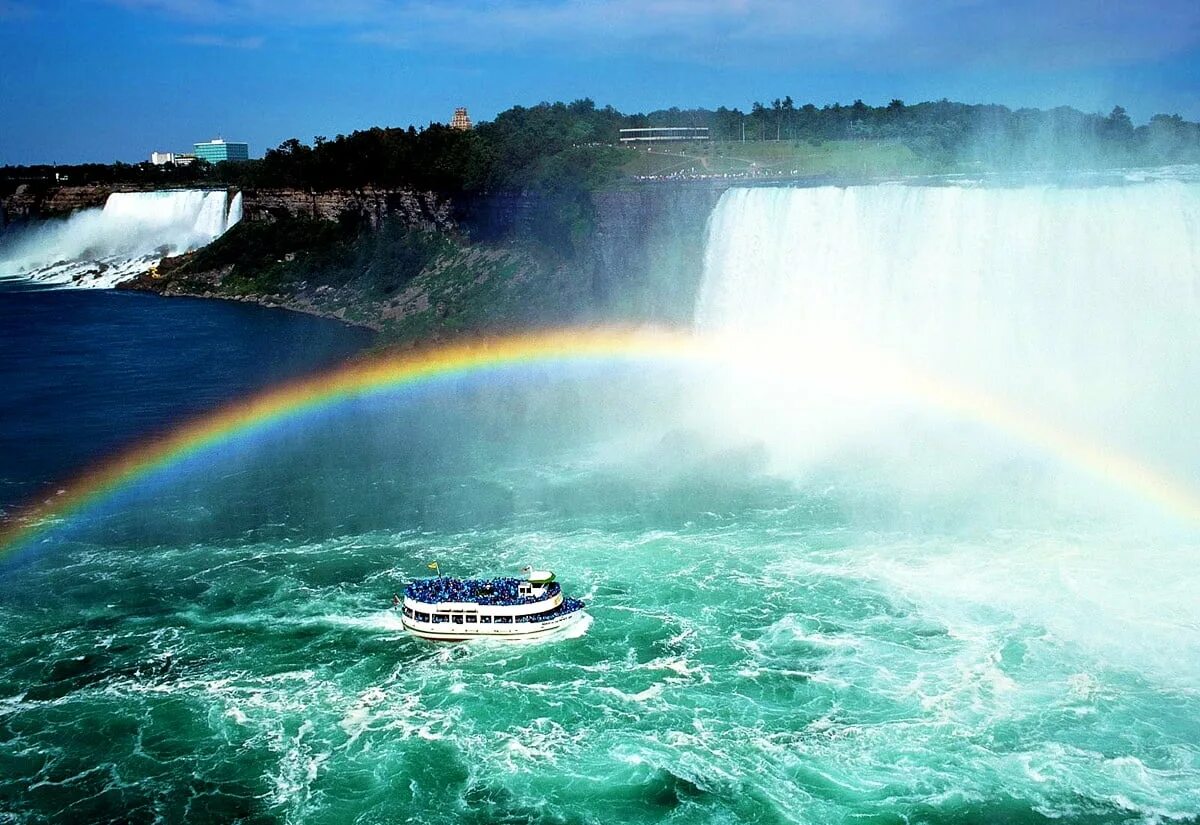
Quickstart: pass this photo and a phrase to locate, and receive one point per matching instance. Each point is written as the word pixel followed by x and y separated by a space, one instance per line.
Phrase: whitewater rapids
pixel 100 248
pixel 814 600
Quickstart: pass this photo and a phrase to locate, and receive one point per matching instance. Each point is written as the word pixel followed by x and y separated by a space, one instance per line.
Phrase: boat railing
pixel 504 592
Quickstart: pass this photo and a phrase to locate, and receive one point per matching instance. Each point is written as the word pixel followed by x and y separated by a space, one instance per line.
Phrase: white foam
pixel 100 248
pixel 1077 304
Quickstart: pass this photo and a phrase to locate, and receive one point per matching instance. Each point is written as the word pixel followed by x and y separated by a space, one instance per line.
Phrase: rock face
pixel 31 203
pixel 646 253
pixel 633 253
pixel 424 209
pixel 643 253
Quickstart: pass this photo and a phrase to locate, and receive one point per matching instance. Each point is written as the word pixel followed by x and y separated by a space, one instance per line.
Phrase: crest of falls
pixel 1074 305
pixel 100 248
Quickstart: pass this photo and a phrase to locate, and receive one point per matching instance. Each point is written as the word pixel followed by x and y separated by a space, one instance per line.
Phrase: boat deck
pixel 499 592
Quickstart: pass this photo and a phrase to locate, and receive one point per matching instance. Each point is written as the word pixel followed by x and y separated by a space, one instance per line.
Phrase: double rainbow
pixel 397 373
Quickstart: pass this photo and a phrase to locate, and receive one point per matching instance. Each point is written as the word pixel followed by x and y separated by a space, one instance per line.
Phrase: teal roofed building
pixel 215 151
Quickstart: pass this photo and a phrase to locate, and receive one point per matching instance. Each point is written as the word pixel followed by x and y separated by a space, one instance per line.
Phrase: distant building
pixel 215 151
pixel 461 121
pixel 171 159
pixel 659 133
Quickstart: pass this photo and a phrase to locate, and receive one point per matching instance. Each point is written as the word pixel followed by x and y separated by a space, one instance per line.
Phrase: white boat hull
pixel 515 631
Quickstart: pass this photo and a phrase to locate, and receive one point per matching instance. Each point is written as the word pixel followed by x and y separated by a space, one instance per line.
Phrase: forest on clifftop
pixel 575 146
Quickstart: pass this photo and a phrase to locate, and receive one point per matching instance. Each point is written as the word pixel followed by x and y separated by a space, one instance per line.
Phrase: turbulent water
pixel 814 599
pixel 99 248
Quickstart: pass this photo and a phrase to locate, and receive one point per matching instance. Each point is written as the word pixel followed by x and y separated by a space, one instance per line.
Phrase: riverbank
pixel 510 260
pixel 147 284
pixel 405 285
pixel 414 266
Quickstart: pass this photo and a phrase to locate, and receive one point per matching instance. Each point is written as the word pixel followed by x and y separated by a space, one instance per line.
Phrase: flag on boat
pixel 433 565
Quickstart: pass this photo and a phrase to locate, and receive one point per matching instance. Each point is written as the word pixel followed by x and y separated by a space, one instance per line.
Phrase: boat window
pixel 470 620
pixel 485 619
pixel 422 617
pixel 458 619
pixel 504 619
pixel 408 612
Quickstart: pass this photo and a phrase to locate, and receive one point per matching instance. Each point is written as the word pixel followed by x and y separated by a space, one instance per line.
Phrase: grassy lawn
pixel 775 158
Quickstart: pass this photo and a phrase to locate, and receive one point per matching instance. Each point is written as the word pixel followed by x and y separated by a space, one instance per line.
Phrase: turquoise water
pixel 761 649
pixel 811 601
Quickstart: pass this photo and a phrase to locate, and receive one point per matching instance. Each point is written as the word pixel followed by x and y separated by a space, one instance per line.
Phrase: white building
pixel 658 133
pixel 171 159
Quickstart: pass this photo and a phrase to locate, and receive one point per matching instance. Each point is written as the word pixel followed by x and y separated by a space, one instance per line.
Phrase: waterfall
pixel 1077 304
pixel 235 210
pixel 134 230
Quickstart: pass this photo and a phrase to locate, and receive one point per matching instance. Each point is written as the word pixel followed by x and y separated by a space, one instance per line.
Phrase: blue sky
pixel 102 80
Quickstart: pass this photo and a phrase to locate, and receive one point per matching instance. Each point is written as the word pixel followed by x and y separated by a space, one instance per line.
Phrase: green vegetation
pixel 297 253
pixel 261 257
pixel 42 177
pixel 485 288
pixel 410 283
pixel 414 282
pixel 574 147
pixel 786 158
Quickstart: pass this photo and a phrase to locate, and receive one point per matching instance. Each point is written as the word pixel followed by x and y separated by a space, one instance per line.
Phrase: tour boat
pixel 454 610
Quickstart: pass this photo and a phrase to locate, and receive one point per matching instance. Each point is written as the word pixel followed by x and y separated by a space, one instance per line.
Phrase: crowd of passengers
pixel 568 605
pixel 500 592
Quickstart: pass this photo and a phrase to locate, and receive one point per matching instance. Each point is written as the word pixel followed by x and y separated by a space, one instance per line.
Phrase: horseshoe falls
pixel 1070 308
pixel 99 248
pixel 922 549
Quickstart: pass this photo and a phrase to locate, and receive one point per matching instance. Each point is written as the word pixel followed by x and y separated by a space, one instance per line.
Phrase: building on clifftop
pixel 215 151
pixel 171 159
pixel 461 121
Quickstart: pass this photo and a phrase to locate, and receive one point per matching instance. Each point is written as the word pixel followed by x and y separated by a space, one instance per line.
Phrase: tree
pixel 1118 126
pixel 789 116
pixel 758 115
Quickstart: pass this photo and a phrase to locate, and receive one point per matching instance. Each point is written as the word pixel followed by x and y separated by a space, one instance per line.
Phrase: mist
pixel 99 248
pixel 1072 304
pixel 859 533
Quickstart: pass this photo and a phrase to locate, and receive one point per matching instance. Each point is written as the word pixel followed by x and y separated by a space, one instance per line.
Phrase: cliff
pixel 646 253
pixel 636 251
pixel 371 206
pixel 416 265
pixel 30 202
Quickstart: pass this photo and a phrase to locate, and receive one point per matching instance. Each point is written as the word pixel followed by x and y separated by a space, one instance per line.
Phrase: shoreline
pixel 32 285
pixel 138 285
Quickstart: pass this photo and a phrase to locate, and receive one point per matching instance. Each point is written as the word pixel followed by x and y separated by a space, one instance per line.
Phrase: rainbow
pixel 1172 495
pixel 312 395
pixel 397 373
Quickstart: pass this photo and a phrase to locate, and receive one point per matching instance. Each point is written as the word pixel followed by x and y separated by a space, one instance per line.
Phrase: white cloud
pixel 220 42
